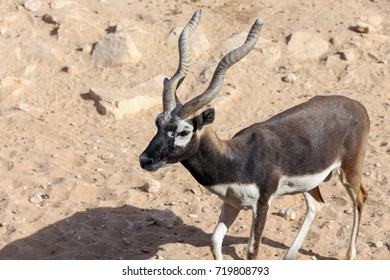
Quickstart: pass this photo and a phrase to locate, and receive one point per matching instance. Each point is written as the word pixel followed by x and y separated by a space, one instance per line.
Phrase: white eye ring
pixel 184 133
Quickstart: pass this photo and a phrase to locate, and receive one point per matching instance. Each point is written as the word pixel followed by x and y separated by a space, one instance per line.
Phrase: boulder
pixel 118 102
pixel 116 49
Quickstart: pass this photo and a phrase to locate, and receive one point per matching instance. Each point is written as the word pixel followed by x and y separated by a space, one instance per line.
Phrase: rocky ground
pixel 80 86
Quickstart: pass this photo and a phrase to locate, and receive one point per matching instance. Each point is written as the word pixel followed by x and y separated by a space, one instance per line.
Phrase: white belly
pixel 304 183
pixel 240 196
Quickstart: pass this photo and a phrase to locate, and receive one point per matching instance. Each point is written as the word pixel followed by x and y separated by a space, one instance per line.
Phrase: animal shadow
pixel 125 232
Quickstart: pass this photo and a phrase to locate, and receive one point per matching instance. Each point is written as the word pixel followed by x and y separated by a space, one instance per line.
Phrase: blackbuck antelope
pixel 292 152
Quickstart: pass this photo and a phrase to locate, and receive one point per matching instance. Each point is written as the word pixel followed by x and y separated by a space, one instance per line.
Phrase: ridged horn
pixel 170 86
pixel 216 83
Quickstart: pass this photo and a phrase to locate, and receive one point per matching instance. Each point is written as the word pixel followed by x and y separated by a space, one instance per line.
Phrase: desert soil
pixel 70 182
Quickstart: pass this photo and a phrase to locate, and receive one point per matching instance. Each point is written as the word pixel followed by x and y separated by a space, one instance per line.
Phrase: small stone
pixel 87 49
pixel 152 186
pixel 70 70
pixel 165 218
pixel 348 54
pixel 130 225
pixel 127 241
pixel 48 18
pixel 32 5
pixel 336 41
pixel 367 173
pixel 313 258
pixel 332 60
pixel 145 250
pixel 193 216
pixel 36 199
pixel 289 78
pixel 378 244
pixel 363 27
pixel 348 211
pixel 288 214
pixel 60 4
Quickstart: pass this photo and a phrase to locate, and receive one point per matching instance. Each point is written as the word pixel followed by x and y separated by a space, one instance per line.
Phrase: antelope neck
pixel 205 164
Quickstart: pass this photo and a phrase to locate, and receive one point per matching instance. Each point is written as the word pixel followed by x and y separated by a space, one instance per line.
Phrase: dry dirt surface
pixel 70 182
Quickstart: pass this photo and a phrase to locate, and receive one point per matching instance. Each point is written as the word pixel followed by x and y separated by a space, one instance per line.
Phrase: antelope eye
pixel 184 133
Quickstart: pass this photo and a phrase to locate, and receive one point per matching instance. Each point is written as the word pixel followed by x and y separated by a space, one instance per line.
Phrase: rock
pixel 11 81
pixel 32 5
pixel 87 49
pixel 193 216
pixel 289 78
pixel 60 4
pixel 165 218
pixel 336 41
pixel 288 214
pixel 127 241
pixel 68 16
pixel 378 244
pixel 331 60
pixel 116 49
pixel 304 45
pixel 363 27
pixel 348 54
pixel 49 18
pixel 118 102
pixel 69 69
pixel 36 199
pixel 130 225
pixel 152 186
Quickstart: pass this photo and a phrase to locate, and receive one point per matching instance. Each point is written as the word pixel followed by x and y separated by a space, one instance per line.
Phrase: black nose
pixel 144 160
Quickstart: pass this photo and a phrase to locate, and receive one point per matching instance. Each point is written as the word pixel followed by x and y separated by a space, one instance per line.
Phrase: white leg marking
pixel 226 219
pixel 313 207
pixel 351 253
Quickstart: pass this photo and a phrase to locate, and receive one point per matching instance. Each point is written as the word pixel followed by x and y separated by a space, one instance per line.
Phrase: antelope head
pixel 178 128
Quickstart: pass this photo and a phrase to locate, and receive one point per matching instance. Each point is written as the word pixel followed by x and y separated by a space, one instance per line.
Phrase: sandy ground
pixel 70 181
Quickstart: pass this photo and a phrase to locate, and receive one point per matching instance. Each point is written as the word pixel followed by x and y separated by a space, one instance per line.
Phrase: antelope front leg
pixel 258 223
pixel 226 219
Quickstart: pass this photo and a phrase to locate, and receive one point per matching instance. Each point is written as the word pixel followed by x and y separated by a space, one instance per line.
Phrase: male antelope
pixel 292 152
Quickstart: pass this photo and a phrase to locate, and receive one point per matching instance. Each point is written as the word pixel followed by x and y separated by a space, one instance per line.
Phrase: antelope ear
pixel 205 118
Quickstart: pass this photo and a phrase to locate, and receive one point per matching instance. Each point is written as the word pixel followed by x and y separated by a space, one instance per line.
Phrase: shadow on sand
pixel 125 232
